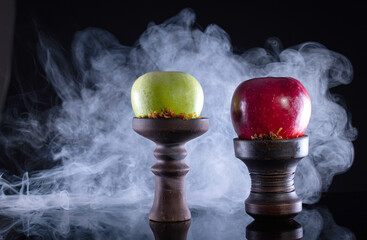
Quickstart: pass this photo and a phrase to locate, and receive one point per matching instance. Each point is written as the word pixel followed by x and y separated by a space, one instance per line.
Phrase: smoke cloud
pixel 129 222
pixel 100 161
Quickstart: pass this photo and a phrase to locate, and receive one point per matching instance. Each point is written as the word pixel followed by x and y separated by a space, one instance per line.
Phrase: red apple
pixel 279 106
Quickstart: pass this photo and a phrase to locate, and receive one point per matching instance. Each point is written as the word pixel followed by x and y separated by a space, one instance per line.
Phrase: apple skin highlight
pixel 176 91
pixel 280 105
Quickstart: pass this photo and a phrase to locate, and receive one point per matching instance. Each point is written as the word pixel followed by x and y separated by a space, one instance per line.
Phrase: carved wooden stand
pixel 272 165
pixel 170 136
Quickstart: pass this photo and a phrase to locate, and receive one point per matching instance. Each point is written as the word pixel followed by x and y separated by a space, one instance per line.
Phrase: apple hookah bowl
pixel 170 136
pixel 272 165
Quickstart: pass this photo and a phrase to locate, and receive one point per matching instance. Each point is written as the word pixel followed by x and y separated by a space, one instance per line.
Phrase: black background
pixel 338 25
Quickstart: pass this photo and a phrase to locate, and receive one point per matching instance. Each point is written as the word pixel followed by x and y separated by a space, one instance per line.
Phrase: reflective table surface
pixel 336 216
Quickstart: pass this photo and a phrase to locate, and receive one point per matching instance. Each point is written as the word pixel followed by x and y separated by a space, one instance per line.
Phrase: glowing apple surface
pixel 273 105
pixel 177 91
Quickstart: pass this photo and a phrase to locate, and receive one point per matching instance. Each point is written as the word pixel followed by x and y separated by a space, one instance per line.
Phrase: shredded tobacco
pixel 166 113
pixel 268 136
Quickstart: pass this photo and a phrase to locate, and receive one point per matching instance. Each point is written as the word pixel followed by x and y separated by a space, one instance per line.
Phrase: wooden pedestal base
pixel 272 166
pixel 170 135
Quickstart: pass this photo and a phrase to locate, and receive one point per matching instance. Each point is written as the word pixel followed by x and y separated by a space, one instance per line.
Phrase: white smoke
pixel 127 221
pixel 101 161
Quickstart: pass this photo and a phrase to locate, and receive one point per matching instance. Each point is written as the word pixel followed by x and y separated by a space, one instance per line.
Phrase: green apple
pixel 177 91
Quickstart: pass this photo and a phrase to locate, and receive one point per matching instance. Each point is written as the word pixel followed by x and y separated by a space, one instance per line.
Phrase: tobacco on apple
pixel 270 108
pixel 167 94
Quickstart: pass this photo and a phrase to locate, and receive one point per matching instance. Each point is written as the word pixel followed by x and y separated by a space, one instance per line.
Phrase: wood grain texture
pixel 170 231
pixel 272 165
pixel 170 136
